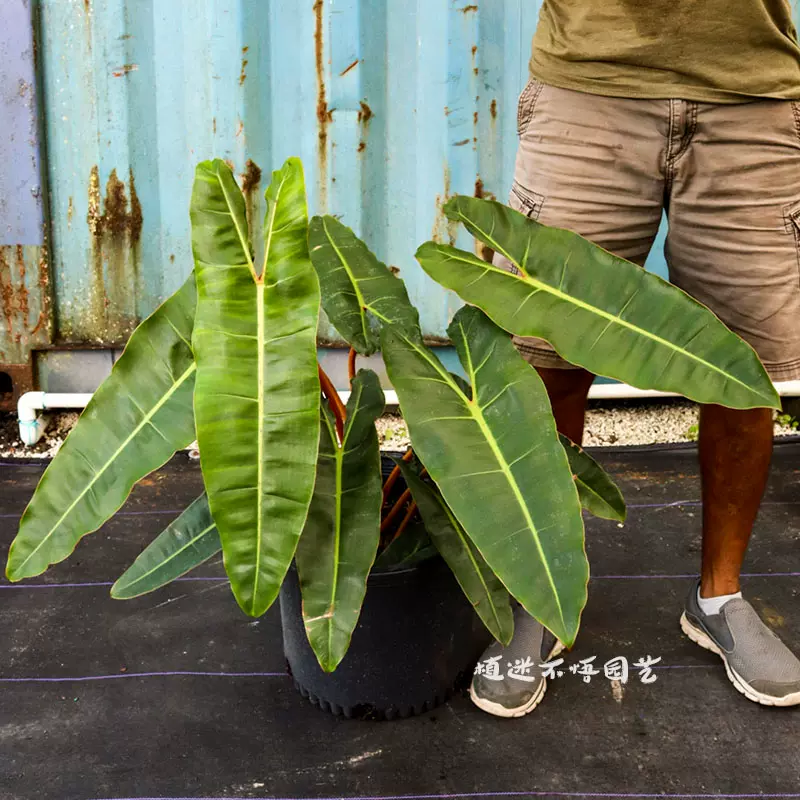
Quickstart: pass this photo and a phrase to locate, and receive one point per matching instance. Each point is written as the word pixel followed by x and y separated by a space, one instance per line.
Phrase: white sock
pixel 712 605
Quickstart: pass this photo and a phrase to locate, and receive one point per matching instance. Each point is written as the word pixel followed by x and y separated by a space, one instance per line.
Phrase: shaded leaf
pixel 183 545
pixel 498 463
pixel 483 589
pixel 599 495
pixel 341 536
pixel 357 289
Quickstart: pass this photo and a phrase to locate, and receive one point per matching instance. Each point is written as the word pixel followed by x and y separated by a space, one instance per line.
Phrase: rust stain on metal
pixel 475 118
pixel 136 219
pixel 251 178
pixel 239 131
pixel 462 143
pixel 493 108
pixel 482 250
pixel 365 114
pixel 394 270
pixel 22 289
pixel 87 6
pixel 243 73
pixel 347 69
pixel 172 258
pixel 124 70
pixel 6 292
pixel 444 229
pixel 21 299
pixel 214 126
pixel 324 114
pixel 70 212
pixel 115 228
pixel 468 9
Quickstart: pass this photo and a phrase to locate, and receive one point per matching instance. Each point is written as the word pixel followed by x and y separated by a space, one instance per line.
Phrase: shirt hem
pixel 697 94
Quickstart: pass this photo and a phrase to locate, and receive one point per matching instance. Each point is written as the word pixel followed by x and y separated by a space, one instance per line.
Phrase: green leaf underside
pixel 340 540
pixel 485 592
pixel 412 547
pixel 356 286
pixel 498 463
pixel 597 310
pixel 599 495
pixel 134 423
pixel 257 394
pixel 185 544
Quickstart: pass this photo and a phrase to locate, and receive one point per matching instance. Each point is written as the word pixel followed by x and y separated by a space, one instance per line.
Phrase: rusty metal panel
pixel 25 307
pixel 393 107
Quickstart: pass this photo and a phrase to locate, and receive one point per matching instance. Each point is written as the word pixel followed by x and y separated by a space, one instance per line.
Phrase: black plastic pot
pixel 417 637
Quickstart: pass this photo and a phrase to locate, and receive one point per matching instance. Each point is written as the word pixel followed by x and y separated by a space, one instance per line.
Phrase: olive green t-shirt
pixel 717 51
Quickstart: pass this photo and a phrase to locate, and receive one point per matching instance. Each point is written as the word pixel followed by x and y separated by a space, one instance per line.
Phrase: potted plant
pixel 294 477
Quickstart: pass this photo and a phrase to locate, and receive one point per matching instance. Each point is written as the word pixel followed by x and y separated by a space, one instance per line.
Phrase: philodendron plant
pixel 291 474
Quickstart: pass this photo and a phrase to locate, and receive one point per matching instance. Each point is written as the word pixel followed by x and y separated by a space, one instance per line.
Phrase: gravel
pixel 628 422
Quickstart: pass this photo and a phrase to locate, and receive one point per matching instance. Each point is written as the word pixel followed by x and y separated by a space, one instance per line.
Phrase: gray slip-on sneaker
pixel 758 663
pixel 509 681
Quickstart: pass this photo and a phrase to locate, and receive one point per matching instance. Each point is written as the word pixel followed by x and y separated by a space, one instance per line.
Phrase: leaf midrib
pixel 475 409
pixel 490 440
pixel 353 281
pixel 171 557
pixel 525 277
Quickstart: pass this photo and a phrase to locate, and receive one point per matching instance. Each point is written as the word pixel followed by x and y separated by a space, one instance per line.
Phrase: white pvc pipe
pixel 32 426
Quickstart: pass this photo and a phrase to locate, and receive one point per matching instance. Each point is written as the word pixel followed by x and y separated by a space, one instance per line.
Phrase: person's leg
pixel 735 452
pixel 592 165
pixel 734 245
pixel 568 390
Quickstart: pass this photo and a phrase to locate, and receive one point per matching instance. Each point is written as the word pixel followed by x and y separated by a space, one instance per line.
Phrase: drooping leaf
pixel 598 311
pixel 357 289
pixel 483 589
pixel 498 463
pixel 134 423
pixel 338 545
pixel 183 545
pixel 598 493
pixel 257 395
pixel 412 547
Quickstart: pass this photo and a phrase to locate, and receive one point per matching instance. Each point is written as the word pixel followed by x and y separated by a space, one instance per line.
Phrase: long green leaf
pixel 136 420
pixel 498 463
pixel 598 311
pixel 357 289
pixel 599 495
pixel 257 395
pixel 341 537
pixel 487 594
pixel 183 545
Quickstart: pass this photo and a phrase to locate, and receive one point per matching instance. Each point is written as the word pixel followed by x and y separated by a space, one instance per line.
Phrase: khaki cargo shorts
pixel 728 177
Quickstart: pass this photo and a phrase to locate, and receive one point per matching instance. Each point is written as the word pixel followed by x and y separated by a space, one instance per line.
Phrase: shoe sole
pixel 498 710
pixel 699 636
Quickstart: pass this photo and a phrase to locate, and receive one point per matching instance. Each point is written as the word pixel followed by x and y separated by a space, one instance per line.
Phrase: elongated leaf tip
pixel 425 250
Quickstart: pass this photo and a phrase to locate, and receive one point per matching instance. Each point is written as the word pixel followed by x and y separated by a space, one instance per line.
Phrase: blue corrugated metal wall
pixel 393 106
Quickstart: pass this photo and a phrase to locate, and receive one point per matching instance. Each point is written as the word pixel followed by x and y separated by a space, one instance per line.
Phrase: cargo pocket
pixel 526 105
pixel 530 203
pixel 791 222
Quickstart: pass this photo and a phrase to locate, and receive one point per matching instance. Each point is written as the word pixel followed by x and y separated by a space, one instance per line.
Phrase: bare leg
pixel 735 451
pixel 567 389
